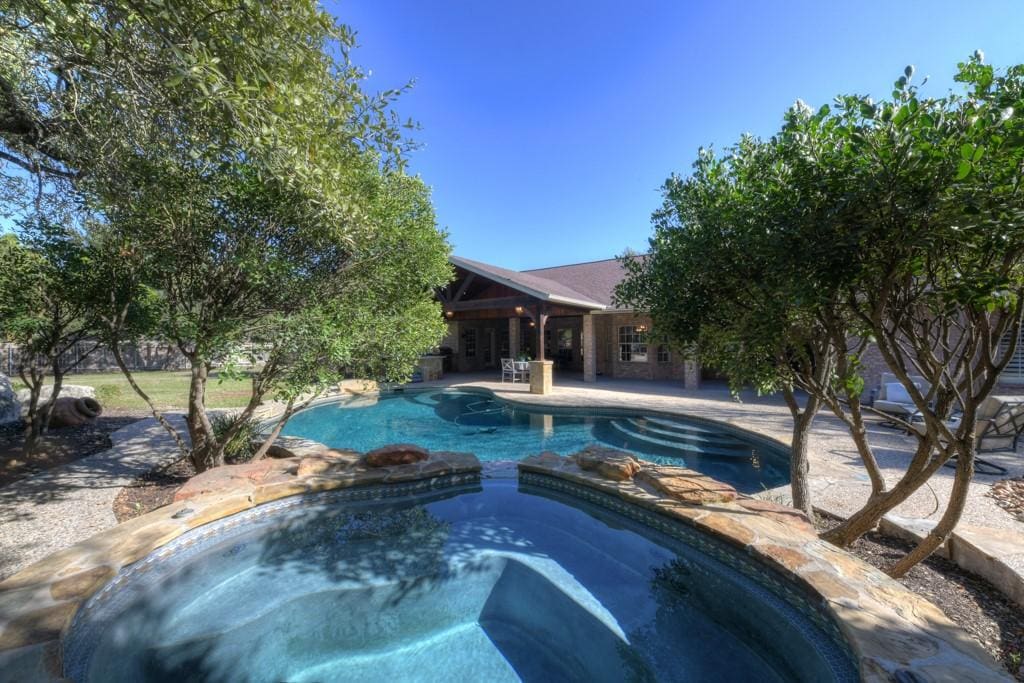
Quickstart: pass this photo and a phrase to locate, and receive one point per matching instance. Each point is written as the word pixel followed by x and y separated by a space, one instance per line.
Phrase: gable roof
pixel 594 279
pixel 588 285
pixel 544 288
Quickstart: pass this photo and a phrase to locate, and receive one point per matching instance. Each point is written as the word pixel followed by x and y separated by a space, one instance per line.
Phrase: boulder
pixel 685 485
pixel 66 391
pixel 10 406
pixel 74 412
pixel 607 462
pixel 395 454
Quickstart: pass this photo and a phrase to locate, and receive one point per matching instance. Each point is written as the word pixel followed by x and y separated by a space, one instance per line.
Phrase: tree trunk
pixel 799 465
pixel 868 517
pixel 207 451
pixel 58 382
pixel 160 417
pixel 950 518
pixel 33 426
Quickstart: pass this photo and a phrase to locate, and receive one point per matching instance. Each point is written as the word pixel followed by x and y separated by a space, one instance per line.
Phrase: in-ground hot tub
pixel 533 580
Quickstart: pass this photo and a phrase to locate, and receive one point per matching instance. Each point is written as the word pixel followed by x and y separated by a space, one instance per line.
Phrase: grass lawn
pixel 168 389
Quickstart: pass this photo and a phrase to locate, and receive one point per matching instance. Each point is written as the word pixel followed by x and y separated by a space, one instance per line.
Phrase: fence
pixel 143 356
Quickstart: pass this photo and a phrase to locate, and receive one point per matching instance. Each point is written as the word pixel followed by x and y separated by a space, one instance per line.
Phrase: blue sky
pixel 548 127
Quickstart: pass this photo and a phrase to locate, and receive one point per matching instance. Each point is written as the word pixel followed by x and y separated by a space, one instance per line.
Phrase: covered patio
pixel 496 314
pixel 562 319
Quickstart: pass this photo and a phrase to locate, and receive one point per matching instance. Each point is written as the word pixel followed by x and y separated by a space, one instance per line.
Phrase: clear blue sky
pixel 547 127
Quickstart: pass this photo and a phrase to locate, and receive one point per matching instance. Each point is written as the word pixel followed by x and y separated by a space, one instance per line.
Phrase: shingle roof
pixel 589 285
pixel 544 288
pixel 594 279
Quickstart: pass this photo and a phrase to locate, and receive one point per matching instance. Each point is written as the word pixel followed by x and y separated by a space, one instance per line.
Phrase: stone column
pixel 589 350
pixel 513 337
pixel 540 376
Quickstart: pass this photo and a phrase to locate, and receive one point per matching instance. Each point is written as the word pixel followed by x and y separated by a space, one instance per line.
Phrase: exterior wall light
pixel 449 313
pixel 519 310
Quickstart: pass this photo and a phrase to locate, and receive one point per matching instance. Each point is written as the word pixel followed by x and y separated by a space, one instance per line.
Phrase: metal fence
pixel 142 356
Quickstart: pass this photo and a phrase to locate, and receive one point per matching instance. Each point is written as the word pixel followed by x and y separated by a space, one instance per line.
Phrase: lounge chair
pixel 1000 423
pixel 894 399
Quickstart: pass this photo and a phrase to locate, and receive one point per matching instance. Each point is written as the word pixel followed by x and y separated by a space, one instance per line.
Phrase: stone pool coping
pixel 887 627
pixel 996 555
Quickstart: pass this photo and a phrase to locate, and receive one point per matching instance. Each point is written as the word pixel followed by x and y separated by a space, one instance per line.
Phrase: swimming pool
pixel 493 429
pixel 498 581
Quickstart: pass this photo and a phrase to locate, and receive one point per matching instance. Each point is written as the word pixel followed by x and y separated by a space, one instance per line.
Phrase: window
pixel 470 345
pixel 632 344
pixel 664 356
pixel 1014 372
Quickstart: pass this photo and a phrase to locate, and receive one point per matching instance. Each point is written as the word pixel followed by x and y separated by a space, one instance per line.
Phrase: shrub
pixel 240 448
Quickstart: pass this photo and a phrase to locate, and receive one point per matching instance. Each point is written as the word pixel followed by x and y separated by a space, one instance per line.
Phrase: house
pixel 496 313
pixel 564 314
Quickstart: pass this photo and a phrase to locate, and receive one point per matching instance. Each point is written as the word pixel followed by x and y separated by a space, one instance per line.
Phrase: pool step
pixel 625 429
pixel 684 433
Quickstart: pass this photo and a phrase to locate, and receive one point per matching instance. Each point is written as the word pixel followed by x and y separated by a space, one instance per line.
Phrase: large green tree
pixel 895 223
pixel 251 192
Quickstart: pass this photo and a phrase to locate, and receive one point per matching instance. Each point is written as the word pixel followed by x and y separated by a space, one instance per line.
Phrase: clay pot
pixel 74 412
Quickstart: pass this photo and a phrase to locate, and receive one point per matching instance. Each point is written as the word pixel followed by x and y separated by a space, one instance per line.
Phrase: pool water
pixel 495 430
pixel 499 582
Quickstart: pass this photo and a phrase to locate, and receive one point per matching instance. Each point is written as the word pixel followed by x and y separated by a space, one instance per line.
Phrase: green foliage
pixel 238 438
pixel 246 197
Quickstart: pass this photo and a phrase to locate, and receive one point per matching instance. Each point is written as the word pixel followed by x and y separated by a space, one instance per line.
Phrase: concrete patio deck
pixel 988 541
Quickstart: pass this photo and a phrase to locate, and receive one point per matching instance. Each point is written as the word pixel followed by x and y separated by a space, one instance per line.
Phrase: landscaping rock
pixel 66 391
pixel 234 477
pixel 607 462
pixel 74 412
pixel 685 486
pixel 10 406
pixel 395 454
pixel 328 461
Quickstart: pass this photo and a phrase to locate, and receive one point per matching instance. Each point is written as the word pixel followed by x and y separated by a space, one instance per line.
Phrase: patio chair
pixel 1000 423
pixel 999 426
pixel 894 399
pixel 522 370
pixel 508 369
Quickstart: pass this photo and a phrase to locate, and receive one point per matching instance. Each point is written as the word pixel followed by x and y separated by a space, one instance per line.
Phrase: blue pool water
pixel 495 430
pixel 499 582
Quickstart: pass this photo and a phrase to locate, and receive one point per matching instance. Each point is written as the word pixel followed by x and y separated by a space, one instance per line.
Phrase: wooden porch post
pixel 542 319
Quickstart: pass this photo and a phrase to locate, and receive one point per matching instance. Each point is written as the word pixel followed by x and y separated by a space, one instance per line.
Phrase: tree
pixel 43 312
pixel 896 223
pixel 713 282
pixel 929 197
pixel 251 191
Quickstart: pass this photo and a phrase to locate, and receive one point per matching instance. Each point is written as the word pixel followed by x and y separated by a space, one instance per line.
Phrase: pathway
pixel 64 505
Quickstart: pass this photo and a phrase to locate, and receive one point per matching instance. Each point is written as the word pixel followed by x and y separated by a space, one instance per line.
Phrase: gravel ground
pixel 974 604
pixel 64 505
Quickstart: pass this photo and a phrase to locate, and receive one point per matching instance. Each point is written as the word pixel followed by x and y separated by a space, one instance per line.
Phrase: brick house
pixel 564 314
